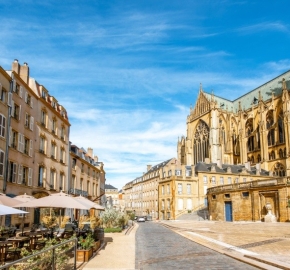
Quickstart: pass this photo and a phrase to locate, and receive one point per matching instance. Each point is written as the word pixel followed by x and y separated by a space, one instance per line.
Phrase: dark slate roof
pixel 109 187
pixel 158 166
pixel 235 169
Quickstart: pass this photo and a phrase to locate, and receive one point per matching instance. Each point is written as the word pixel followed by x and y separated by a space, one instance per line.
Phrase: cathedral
pixel 252 131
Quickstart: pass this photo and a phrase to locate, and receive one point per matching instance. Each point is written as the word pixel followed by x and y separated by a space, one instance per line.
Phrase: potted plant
pixel 85 248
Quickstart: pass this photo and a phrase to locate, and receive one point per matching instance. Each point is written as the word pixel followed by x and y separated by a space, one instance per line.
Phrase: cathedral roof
pixel 265 90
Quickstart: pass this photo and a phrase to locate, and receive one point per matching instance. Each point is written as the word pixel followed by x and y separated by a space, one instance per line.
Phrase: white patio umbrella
pixel 4 199
pixel 24 198
pixel 89 203
pixel 57 200
pixel 6 210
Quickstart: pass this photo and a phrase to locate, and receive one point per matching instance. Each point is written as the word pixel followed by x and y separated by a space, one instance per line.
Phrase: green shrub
pixel 112 230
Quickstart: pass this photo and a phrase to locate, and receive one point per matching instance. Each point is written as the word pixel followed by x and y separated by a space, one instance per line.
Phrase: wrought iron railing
pixel 39 259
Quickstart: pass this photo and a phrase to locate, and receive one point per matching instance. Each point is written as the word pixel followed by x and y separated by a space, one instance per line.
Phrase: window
pixel 205 179
pixel 188 188
pixel 2 94
pixel 52 179
pixel 168 189
pixel 2 154
pixel 14 139
pixel 24 176
pixel 82 168
pixel 244 180
pixel 213 181
pixel 245 194
pixel 73 180
pixel 88 187
pixel 169 173
pixel 62 155
pixel 53 128
pixel 28 99
pixel 227 195
pixel 94 174
pixel 74 163
pixel 179 188
pixel 2 125
pixel 43 118
pixel 237 180
pixel 53 150
pixel 42 145
pixel 61 181
pixel 40 176
pixel 12 172
pixel 62 131
pixel 81 183
pixel 214 197
pixel 229 180
pixel 88 171
pixel 26 146
pixel 162 189
pixel 188 173
pixel 180 204
pixel 43 94
pixel 15 113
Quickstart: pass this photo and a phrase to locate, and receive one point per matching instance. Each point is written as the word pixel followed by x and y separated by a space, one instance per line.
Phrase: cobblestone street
pixel 159 248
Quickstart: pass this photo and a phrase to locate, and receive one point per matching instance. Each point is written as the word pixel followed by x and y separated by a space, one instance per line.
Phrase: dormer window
pixel 43 94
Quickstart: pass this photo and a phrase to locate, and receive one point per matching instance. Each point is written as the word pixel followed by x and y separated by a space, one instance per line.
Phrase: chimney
pixel 219 164
pixel 24 72
pixel 90 152
pixel 258 167
pixel 15 66
pixel 149 167
pixel 96 159
pixel 248 166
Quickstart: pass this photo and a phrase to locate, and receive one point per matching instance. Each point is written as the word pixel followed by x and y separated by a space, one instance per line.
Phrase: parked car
pixel 141 219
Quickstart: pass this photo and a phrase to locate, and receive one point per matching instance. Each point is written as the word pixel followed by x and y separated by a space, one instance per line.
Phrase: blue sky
pixel 128 71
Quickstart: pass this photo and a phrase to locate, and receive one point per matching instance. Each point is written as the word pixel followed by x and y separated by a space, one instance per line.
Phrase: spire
pixel 200 88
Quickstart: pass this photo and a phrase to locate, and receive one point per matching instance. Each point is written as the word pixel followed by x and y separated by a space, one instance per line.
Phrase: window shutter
pixel 21 91
pixel 19 142
pixel 31 102
pixel 25 97
pixel 14 173
pixel 9 99
pixel 29 177
pixel 19 174
pixel 12 108
pixel 14 86
pixel 31 123
pixel 30 148
pixel 22 143
pixel 49 124
pixel 19 112
pixel 1 162
pixel 10 136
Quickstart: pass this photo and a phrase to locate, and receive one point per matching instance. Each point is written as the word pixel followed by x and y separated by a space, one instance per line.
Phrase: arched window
pixel 281 128
pixel 201 142
pixel 281 153
pixel 279 169
pixel 249 134
pixel 271 130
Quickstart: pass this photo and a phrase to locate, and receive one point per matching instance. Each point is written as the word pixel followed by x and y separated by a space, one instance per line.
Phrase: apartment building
pixel 5 85
pixel 35 155
pixel 87 177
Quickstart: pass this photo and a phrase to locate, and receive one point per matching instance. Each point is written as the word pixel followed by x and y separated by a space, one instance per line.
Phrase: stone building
pixel 111 197
pixel 252 130
pixel 34 144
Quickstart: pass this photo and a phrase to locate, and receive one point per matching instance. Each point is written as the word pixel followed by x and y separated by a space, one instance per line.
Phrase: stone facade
pixel 34 143
pixel 251 131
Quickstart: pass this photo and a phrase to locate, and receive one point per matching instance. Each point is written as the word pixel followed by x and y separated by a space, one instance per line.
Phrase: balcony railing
pixel 76 191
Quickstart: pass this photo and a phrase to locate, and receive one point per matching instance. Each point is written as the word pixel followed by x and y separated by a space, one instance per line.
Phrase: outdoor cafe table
pixel 34 236
pixel 3 248
pixel 17 240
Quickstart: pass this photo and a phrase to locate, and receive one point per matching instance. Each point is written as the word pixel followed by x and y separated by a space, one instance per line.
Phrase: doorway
pixel 229 211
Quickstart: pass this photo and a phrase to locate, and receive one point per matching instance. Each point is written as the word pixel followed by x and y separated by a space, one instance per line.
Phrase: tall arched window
pixel 271 128
pixel 281 128
pixel 201 142
pixel 249 134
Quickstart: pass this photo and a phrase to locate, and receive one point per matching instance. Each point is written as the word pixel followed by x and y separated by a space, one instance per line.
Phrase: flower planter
pixel 97 245
pixel 84 255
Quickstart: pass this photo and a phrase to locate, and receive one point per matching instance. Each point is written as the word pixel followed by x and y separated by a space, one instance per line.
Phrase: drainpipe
pixel 8 134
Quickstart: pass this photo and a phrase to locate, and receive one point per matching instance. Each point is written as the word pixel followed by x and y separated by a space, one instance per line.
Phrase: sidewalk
pixel 265 245
pixel 118 252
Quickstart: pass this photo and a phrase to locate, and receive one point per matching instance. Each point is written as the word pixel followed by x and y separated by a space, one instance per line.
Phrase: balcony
pixel 41 151
pixel 76 191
